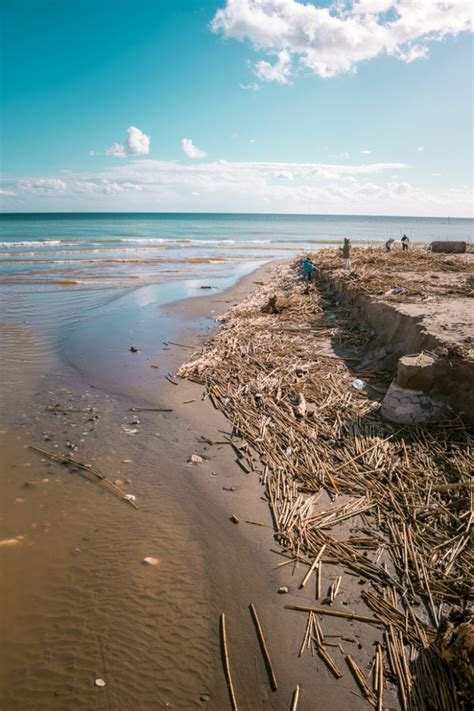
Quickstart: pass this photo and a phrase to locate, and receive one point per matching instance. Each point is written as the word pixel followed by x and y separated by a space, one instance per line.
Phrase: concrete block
pixel 410 407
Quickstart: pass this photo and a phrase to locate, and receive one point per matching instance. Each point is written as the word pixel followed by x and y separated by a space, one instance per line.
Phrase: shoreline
pixel 194 496
pixel 207 563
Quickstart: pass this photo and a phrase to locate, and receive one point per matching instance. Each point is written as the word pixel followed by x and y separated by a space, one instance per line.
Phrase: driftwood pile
pixel 424 275
pixel 399 512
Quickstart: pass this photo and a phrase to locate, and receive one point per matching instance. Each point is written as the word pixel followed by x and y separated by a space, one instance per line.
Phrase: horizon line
pixel 230 213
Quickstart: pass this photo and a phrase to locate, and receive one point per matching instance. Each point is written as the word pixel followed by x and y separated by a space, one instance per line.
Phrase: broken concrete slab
pixel 410 407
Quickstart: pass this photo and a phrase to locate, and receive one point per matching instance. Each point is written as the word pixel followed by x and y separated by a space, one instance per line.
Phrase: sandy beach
pixel 81 604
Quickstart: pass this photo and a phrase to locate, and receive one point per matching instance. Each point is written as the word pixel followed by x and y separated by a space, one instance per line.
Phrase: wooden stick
pixel 296 698
pixel 263 646
pixel 313 566
pixel 151 409
pixel 89 470
pixel 359 677
pixel 334 613
pixel 225 656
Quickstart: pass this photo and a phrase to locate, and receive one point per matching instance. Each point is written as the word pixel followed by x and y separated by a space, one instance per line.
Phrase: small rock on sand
pixel 283 590
pixel 195 459
pixel 118 482
pixel 100 683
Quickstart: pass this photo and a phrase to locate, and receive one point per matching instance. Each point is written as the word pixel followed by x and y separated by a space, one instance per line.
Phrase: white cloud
pixel 137 143
pixel 279 72
pixel 335 39
pixel 190 150
pixel 420 149
pixel 250 87
pixel 146 184
pixel 366 152
pixel 45 186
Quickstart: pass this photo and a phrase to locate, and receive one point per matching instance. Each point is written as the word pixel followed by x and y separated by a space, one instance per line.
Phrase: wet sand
pixel 78 603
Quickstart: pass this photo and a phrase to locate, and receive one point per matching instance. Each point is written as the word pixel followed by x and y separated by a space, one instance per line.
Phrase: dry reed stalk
pixel 225 655
pixel 264 648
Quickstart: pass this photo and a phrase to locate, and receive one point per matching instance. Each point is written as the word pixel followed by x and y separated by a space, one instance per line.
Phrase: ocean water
pixel 70 278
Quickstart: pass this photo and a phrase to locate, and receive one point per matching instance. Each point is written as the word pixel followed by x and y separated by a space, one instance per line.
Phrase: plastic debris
pixel 100 683
pixel 130 497
pixel 234 518
pixel 358 384
pixel 151 561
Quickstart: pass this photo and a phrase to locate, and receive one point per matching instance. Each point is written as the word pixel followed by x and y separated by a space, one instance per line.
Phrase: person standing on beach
pixel 405 242
pixel 389 244
pixel 308 269
pixel 346 253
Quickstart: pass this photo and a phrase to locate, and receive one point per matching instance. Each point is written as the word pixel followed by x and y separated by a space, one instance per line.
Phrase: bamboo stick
pixel 225 656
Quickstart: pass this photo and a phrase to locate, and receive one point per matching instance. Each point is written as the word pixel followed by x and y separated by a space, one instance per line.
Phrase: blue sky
pixel 356 106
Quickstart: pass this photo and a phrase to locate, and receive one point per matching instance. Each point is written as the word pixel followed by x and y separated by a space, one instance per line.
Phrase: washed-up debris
pixel 358 384
pixel 150 409
pixel 87 471
pixel 226 663
pixel 234 518
pixel 195 459
pixel 10 542
pixel 263 647
pixel 412 528
pixel 283 590
pixel 295 699
pixel 133 349
pixel 151 561
pixel 100 683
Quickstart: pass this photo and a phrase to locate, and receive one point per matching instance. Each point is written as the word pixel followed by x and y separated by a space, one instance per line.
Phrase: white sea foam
pixel 33 243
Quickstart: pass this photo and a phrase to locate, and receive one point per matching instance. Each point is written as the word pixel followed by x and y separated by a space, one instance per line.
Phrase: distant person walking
pixel 346 253
pixel 389 244
pixel 405 242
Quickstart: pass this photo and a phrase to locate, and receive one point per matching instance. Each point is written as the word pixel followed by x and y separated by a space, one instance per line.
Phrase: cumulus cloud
pixel 190 150
pixel 146 184
pixel 335 39
pixel 279 72
pixel 137 143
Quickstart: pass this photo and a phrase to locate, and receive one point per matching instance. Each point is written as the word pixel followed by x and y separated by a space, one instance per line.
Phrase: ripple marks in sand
pixel 104 613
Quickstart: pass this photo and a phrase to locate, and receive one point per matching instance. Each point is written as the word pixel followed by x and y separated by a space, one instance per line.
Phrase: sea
pixel 68 278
